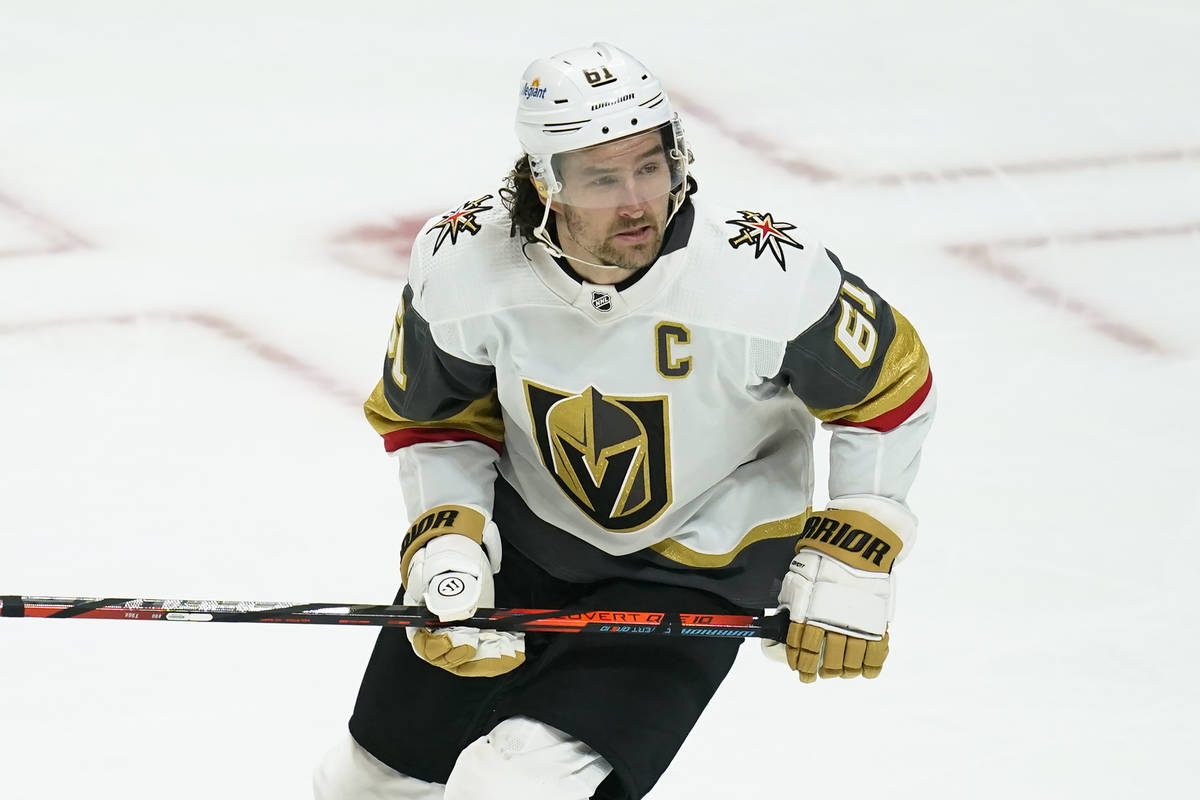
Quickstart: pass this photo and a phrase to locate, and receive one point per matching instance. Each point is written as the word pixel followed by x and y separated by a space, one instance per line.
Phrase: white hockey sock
pixel 522 758
pixel 348 772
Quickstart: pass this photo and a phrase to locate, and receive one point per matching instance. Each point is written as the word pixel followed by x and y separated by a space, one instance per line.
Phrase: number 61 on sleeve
pixel 855 334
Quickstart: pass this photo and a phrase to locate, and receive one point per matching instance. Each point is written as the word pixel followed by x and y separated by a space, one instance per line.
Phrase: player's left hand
pixel 838 592
pixel 839 617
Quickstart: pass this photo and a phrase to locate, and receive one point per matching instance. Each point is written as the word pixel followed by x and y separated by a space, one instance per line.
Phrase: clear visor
pixel 632 171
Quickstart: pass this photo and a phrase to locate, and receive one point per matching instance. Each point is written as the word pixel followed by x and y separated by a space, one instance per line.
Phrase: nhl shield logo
pixel 611 455
pixel 601 301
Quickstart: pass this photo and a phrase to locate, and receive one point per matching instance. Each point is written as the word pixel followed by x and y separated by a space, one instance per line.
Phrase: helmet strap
pixel 543 237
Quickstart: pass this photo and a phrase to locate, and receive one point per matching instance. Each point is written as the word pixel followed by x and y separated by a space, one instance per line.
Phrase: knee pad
pixel 348 772
pixel 522 758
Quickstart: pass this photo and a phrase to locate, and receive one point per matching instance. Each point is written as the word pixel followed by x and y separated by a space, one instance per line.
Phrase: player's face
pixel 614 200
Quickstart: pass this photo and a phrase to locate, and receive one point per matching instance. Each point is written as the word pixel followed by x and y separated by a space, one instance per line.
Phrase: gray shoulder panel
pixel 819 369
pixel 437 385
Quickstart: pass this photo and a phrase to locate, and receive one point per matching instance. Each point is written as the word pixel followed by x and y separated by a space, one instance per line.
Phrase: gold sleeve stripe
pixel 775 529
pixel 482 419
pixel 853 538
pixel 439 521
pixel 904 373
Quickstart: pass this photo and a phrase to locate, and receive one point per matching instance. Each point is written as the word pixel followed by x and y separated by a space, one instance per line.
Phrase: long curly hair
pixel 519 196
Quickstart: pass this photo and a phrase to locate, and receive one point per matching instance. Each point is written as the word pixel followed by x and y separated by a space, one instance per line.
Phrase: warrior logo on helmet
pixel 610 455
pixel 459 220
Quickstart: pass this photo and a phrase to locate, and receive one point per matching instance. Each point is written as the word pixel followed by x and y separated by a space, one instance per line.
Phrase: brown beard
pixel 606 252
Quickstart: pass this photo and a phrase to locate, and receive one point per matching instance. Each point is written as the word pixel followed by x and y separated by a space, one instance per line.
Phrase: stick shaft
pixel 656 623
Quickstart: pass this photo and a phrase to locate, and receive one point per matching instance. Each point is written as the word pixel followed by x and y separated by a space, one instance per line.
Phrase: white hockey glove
pixel 839 591
pixel 450 553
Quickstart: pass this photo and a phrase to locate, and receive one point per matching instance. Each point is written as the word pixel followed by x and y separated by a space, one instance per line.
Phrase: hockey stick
pixel 657 623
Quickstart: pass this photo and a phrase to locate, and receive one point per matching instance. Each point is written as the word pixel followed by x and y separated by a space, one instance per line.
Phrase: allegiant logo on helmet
pixel 533 90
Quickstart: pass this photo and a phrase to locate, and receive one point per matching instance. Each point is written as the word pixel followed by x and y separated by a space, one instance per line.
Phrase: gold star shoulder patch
pixel 459 220
pixel 765 233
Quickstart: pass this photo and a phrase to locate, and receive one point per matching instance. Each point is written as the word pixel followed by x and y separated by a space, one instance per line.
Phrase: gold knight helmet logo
pixel 610 455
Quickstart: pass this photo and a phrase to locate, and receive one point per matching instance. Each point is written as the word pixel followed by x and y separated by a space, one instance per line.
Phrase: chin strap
pixel 543 236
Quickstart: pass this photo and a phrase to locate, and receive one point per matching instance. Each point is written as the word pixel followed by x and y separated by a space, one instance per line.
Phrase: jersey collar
pixel 605 303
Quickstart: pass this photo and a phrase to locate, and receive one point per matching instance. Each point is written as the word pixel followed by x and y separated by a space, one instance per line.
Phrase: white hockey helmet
pixel 590 96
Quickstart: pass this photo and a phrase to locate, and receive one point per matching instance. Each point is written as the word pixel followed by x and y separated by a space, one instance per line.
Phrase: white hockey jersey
pixel 662 430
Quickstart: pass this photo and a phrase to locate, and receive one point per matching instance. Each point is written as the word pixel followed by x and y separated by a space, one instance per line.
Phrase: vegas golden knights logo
pixel 610 455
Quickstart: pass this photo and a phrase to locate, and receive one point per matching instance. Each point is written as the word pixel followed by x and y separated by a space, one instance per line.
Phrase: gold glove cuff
pixel 439 521
pixel 852 537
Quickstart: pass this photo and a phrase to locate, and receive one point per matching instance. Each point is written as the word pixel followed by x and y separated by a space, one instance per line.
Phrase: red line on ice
pixel 1045 166
pixel 783 156
pixel 773 151
pixel 379 250
pixel 59 238
pixel 271 353
pixel 984 258
pixel 1102 235
pixel 216 324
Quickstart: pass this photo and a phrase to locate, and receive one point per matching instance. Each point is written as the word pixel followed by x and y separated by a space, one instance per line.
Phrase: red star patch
pixel 764 233
pixel 461 219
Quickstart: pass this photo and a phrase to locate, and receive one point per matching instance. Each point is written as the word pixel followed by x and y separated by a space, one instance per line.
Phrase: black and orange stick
pixel 656 623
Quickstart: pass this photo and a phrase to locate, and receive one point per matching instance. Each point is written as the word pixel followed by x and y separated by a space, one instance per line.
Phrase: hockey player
pixel 601 391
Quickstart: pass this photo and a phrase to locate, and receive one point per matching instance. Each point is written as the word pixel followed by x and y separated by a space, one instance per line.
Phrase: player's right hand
pixel 450 553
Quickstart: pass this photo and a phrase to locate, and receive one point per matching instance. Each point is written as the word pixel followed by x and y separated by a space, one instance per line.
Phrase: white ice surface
pixel 182 357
